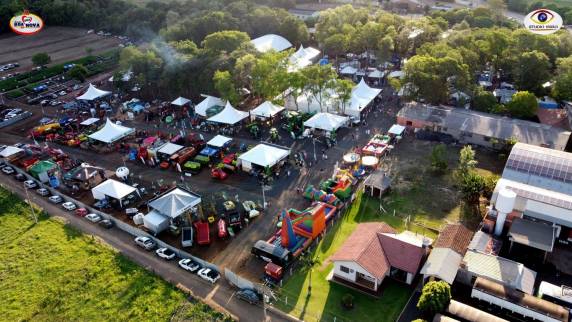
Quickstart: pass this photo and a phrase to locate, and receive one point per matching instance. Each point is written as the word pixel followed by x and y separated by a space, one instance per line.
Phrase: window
pixel 344 269
pixel 409 123
pixel 487 138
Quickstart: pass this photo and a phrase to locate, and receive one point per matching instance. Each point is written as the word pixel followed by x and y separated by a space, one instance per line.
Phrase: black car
pixel 248 295
pixel 106 223
pixel 20 177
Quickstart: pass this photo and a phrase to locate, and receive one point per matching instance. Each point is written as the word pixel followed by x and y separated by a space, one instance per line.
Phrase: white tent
pixel 229 115
pixel 174 203
pixel 155 222
pixel 362 96
pixel 90 121
pixel 93 93
pixel 219 141
pixel 267 109
pixel 302 57
pixel 180 101
pixel 207 103
pixel 396 74
pixel 396 129
pixel 375 73
pixel 10 151
pixel 113 189
pixel 111 132
pixel 326 122
pixel 348 70
pixel 262 155
pixel 170 148
pixel 271 42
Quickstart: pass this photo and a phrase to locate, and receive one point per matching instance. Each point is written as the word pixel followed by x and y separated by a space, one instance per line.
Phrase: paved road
pixel 220 296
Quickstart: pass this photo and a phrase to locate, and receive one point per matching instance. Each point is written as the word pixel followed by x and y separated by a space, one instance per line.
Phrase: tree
pixel 88 51
pixel 348 301
pixel 185 47
pixel 562 89
pixel 298 83
pixel 41 59
pixel 435 297
pixel 269 74
pixel 472 185
pixel 224 41
pixel 498 8
pixel 467 160
pixel 439 158
pixel 484 101
pixel 78 72
pixel 224 85
pixel 343 89
pixel 320 78
pixel 532 69
pixel 523 105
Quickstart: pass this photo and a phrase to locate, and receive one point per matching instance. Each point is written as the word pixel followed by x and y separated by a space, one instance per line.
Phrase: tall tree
pixel 343 89
pixel 224 85
pixel 320 79
pixel 523 105
pixel 41 59
pixel 224 41
pixel 532 69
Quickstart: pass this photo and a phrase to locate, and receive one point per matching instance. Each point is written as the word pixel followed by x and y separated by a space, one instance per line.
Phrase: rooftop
pixel 454 236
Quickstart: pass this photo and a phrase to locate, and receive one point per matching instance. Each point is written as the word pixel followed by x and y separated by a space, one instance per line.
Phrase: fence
pixel 133 231
pixel 15 119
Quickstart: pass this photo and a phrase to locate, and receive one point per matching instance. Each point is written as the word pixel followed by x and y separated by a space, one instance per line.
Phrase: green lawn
pixel 52 272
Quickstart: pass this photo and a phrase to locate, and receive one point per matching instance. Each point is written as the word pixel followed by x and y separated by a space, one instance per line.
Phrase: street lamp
pixel 314 143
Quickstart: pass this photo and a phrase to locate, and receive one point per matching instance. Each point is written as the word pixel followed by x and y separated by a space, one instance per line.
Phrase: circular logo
pixel 543 22
pixel 26 24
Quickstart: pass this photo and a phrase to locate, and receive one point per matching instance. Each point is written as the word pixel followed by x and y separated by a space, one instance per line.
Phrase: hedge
pixel 14 94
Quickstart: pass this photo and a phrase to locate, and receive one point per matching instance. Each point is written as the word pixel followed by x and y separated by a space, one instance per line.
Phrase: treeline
pixel 564 9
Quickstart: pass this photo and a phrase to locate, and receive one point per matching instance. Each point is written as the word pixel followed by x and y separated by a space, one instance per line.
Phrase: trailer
pixel 203 233
pixel 187 236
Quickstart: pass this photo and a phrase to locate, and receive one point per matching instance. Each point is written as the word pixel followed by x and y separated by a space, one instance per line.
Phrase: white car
pixel 189 265
pixel 165 253
pixel 69 206
pixel 55 199
pixel 145 242
pixel 94 218
pixel 30 184
pixel 43 192
pixel 209 275
pixel 8 170
pixel 62 93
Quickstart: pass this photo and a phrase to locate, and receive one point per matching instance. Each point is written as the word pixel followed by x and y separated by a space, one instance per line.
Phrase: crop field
pixel 61 43
pixel 51 271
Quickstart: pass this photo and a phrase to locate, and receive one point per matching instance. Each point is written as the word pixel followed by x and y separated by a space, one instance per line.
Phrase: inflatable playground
pixel 299 228
pixel 340 185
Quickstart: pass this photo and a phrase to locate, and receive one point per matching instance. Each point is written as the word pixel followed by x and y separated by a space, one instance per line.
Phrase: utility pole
pixel 263 196
pixel 31 207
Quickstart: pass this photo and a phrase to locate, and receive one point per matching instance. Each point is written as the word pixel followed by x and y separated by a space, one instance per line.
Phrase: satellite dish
pixel 122 172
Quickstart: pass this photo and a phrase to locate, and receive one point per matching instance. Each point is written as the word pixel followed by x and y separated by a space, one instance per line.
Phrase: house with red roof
pixel 374 251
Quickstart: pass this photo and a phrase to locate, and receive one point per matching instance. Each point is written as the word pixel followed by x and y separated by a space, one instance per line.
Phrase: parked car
pixel 62 93
pixel 69 206
pixel 81 212
pixel 94 218
pixel 20 177
pixel 30 184
pixel 145 242
pixel 248 295
pixel 106 223
pixel 209 275
pixel 55 199
pixel 8 170
pixel 189 265
pixel 43 192
pixel 101 204
pixel 165 253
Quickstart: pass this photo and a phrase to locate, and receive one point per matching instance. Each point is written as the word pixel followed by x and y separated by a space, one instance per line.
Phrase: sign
pixel 26 23
pixel 543 22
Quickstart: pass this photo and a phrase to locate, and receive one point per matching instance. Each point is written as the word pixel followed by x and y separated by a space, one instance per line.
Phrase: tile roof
pixel 443 263
pixel 364 248
pixel 454 236
pixel 401 255
pixel 377 248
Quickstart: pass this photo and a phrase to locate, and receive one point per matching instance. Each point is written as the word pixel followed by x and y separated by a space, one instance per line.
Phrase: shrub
pixel 348 301
pixel 439 158
pixel 435 297
pixel 14 94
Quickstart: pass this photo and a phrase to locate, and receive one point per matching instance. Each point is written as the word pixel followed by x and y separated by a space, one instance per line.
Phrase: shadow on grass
pixel 72 232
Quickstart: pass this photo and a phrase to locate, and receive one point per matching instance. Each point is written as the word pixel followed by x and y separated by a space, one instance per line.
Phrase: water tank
pixel 122 172
pixel 138 219
pixel 505 201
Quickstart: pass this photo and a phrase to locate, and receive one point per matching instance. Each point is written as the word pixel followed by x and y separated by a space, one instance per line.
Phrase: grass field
pixel 51 272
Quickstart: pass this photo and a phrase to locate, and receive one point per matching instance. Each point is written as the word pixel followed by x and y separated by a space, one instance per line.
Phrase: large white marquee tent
pixel 362 95
pixel 113 189
pixel 271 42
pixel 262 155
pixel 111 132
pixel 207 103
pixel 93 93
pixel 266 109
pixel 229 115
pixel 302 57
pixel 326 122
pixel 180 101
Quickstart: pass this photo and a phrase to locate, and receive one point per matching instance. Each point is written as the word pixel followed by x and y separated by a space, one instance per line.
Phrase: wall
pixel 354 269
pixel 13 120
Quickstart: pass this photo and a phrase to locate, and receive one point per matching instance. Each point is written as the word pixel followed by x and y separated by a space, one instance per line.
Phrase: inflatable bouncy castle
pixel 314 194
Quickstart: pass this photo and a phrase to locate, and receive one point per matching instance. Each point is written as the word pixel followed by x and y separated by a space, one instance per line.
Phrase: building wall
pixel 542 211
pixel 409 279
pixel 354 269
pixel 418 124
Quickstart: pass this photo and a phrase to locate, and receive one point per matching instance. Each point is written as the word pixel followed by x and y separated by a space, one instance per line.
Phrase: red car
pixel 81 212
pixel 218 173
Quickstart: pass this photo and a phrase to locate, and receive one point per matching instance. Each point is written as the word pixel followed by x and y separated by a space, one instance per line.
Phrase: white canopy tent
pixel 156 222
pixel 362 96
pixel 174 203
pixel 396 129
pixel 266 109
pixel 111 132
pixel 262 155
pixel 93 93
pixel 396 74
pixel 271 42
pixel 207 103
pixel 302 57
pixel 326 122
pixel 180 101
pixel 375 73
pixel 219 141
pixel 10 151
pixel 90 121
pixel 229 115
pixel 348 70
pixel 113 189
pixel 170 148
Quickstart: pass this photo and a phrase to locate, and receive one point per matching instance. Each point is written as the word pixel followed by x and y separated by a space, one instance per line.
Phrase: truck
pixel 182 156
pixel 187 236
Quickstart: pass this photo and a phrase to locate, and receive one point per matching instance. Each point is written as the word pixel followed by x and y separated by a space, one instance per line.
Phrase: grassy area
pixel 50 271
